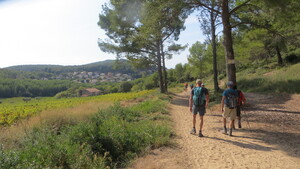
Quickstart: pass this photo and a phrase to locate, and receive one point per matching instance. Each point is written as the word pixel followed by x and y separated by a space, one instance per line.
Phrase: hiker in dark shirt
pixel 186 86
pixel 241 101
pixel 198 94
pixel 229 100
pixel 191 86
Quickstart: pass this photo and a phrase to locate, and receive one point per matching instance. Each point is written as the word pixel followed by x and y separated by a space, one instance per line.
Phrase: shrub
pixel 292 58
pixel 125 87
pixel 122 133
pixel 111 139
pixel 137 87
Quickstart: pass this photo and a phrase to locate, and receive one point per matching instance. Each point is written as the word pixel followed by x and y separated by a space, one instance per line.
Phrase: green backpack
pixel 199 97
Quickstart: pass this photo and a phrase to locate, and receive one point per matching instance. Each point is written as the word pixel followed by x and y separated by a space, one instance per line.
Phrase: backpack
pixel 231 100
pixel 198 97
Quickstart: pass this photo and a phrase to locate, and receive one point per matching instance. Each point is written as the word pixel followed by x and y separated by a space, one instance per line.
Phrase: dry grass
pixel 11 136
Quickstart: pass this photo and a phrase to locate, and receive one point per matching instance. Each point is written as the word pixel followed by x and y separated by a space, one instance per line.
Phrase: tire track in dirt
pixel 252 147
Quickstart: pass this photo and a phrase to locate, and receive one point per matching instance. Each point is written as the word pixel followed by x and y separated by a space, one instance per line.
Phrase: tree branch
pixel 168 35
pixel 238 7
pixel 259 26
pixel 145 51
pixel 206 6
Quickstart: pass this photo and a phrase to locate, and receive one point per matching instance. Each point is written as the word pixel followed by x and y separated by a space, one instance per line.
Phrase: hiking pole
pixel 246 116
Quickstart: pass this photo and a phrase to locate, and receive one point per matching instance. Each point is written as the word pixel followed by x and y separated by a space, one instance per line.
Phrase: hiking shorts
pixel 229 113
pixel 238 111
pixel 199 109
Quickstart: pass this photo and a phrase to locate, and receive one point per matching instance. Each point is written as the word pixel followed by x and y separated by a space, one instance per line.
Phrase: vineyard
pixel 18 108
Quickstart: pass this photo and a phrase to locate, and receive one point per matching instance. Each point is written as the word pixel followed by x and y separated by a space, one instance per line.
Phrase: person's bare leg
pixel 233 124
pixel 201 126
pixel 201 123
pixel 231 127
pixel 194 120
pixel 239 122
pixel 193 131
pixel 224 123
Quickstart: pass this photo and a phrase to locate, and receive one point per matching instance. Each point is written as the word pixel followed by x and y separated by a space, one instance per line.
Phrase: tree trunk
pixel 228 43
pixel 164 68
pixel 214 48
pixel 159 69
pixel 279 57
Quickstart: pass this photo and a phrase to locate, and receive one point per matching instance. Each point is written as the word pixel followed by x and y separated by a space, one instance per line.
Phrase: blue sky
pixel 62 32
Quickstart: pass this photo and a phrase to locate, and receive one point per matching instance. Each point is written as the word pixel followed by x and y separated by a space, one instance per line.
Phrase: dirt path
pixel 271 139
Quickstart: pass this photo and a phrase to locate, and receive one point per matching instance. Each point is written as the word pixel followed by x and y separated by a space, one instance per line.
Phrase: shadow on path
pixel 288 141
pixel 245 145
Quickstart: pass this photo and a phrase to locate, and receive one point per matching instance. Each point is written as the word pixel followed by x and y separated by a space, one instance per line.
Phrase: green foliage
pixel 198 59
pixel 71 92
pixel 292 58
pixel 285 80
pixel 111 138
pixel 139 31
pixel 32 88
pixel 14 109
pixel 125 87
pixel 32 80
pixel 119 66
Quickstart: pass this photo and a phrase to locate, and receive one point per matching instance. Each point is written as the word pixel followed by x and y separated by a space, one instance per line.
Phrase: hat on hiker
pixel 198 81
pixel 229 83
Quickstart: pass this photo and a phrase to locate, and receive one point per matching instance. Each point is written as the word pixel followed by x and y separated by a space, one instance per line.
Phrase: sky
pixel 63 32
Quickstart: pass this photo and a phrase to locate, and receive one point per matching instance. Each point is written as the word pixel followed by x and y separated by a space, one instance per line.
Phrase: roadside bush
pixel 121 133
pixel 137 87
pixel 43 148
pixel 110 139
pixel 292 58
pixel 125 87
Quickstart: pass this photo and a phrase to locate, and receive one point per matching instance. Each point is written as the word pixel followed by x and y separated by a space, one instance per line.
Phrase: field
pixel 107 138
pixel 15 108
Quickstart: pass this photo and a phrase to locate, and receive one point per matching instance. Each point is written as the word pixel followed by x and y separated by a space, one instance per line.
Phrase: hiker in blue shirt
pixel 198 102
pixel 229 99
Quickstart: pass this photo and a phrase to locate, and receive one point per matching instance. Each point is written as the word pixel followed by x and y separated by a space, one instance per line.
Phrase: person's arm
pixel 243 98
pixel 207 99
pixel 191 102
pixel 222 104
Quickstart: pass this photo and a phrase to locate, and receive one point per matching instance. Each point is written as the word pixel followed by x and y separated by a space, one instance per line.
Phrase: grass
pixel 11 110
pixel 10 136
pixel 280 80
pixel 110 138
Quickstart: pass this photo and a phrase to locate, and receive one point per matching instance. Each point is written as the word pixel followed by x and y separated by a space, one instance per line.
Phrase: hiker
pixel 198 102
pixel 241 101
pixel 203 86
pixel 186 86
pixel 191 86
pixel 229 99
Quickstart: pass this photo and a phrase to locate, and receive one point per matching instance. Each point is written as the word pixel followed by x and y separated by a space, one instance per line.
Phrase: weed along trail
pixel 270 138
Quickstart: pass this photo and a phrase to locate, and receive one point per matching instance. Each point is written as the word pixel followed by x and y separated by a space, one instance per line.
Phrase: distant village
pixel 93 77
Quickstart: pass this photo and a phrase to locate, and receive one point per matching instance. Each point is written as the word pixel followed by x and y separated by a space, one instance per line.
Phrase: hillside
pixel 48 80
pixel 270 78
pixel 113 66
pixel 104 71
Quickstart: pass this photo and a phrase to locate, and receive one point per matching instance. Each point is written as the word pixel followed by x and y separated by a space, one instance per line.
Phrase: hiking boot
pixel 230 132
pixel 240 124
pixel 224 131
pixel 200 134
pixel 193 131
